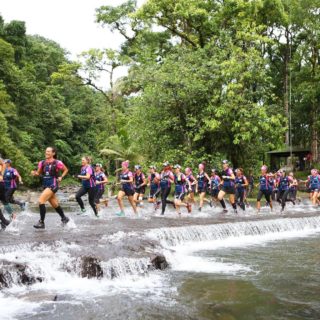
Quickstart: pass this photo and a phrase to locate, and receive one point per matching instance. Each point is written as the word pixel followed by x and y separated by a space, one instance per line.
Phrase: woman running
pixel 313 184
pixel 203 180
pixel 49 169
pixel 11 175
pixel 227 184
pixel 215 183
pixel 283 189
pixel 3 220
pixel 241 184
pixel 180 189
pixel 154 184
pixel 265 188
pixel 191 185
pixel 139 185
pixel 126 181
pixel 166 179
pixel 101 181
pixel 276 180
pixel 88 182
pixel 293 188
pixel 272 184
pixel 3 199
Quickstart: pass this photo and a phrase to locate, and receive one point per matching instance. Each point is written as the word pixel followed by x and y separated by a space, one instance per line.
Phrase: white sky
pixel 71 23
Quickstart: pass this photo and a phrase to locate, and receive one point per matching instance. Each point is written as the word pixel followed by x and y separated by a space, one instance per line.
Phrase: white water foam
pixel 10 307
pixel 118 236
pixel 183 261
pixel 181 243
pixel 183 235
pixel 121 276
pixel 55 264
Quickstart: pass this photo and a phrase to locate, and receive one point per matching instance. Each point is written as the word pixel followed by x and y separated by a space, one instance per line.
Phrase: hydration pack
pixel 53 172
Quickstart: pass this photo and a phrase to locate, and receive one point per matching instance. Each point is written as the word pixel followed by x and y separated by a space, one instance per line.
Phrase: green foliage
pixel 206 80
pixel 211 78
pixel 44 101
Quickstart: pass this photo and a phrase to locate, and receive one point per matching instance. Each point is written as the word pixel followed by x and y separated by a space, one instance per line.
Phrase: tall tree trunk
pixel 314 136
pixel 314 110
pixel 286 82
pixel 112 100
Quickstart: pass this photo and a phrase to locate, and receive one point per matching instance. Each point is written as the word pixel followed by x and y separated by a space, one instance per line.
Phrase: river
pixel 220 267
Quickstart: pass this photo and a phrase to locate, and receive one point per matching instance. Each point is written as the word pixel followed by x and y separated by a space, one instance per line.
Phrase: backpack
pixel 53 170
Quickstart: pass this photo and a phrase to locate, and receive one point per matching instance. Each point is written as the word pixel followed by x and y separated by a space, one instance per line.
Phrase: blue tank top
pixel 153 185
pixel 138 179
pixel 100 177
pixel 264 183
pixel 165 181
pixel 228 183
pixel 239 181
pixel 215 182
pixel 314 182
pixel 50 174
pixel 180 182
pixel 126 176
pixel 9 178
pixel 202 180
pixel 88 183
pixel 284 184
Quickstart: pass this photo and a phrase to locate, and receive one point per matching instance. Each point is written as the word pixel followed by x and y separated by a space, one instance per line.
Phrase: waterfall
pixel 182 235
pixel 27 264
pixel 122 267
pixel 30 263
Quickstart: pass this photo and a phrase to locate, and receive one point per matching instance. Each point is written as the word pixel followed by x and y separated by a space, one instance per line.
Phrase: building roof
pixel 286 151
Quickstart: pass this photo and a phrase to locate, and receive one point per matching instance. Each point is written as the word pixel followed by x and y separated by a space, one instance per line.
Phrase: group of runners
pixel 219 184
pixel 273 186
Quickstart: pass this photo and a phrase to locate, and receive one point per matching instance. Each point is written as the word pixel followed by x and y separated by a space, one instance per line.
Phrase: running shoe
pixel 39 225
pixel 82 211
pixel 65 220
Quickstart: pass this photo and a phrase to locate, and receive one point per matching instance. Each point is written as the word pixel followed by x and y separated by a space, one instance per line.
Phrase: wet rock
pixel 69 189
pixel 90 267
pixel 159 262
pixel 16 274
pixel 36 296
pixel 72 197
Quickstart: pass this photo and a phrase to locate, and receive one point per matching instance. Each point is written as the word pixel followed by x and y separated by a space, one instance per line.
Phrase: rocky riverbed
pixel 55 263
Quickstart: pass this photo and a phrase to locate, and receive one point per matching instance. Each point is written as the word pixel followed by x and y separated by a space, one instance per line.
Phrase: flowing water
pixel 220 267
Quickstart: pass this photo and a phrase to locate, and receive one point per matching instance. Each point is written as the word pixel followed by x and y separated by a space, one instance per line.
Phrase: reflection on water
pixel 285 284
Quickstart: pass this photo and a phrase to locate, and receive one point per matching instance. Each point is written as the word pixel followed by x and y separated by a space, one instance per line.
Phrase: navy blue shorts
pixel 201 190
pixel 179 195
pixel 214 193
pixel 54 189
pixel 141 190
pixel 228 190
pixel 128 192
